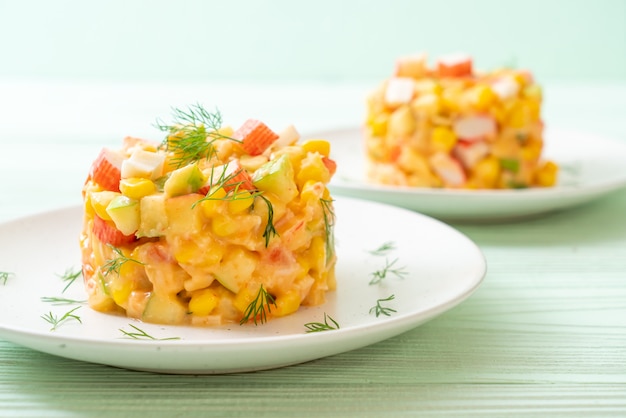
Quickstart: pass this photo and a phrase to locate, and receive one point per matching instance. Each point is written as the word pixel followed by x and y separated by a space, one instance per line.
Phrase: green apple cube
pixel 277 176
pixel 183 181
pixel 124 212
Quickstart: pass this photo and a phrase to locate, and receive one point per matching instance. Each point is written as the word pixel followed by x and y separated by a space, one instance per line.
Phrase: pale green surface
pixel 545 335
pixel 321 40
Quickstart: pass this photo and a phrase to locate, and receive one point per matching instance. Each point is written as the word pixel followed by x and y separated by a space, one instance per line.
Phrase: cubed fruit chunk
pixel 277 176
pixel 185 180
pixel 124 212
pixel 153 218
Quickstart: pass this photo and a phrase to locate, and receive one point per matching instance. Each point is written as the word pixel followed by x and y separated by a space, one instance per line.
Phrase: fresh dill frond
pixel 257 308
pixel 4 276
pixel 114 265
pixel 319 326
pixel 55 321
pixel 384 248
pixel 191 134
pixel 270 229
pixel 70 276
pixel 140 334
pixel 380 275
pixel 61 301
pixel 382 310
pixel 329 226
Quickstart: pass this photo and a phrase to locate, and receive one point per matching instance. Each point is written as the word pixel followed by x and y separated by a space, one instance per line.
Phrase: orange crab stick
pixel 107 233
pixel 454 65
pixel 255 136
pixel 106 169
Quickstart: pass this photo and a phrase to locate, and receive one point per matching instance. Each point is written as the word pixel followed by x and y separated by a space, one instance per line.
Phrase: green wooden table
pixel 544 335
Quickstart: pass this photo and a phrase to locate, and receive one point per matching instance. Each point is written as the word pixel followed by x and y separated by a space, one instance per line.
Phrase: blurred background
pixel 101 70
pixel 330 40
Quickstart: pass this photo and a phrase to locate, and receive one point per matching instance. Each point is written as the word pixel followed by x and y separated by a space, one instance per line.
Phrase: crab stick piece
pixel 399 91
pixel 106 169
pixel 255 136
pixel 475 127
pixel 454 65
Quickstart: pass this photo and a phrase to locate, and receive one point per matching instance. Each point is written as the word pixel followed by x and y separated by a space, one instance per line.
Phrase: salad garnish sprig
pixel 4 276
pixel 70 276
pixel 256 310
pixel 383 310
pixel 191 134
pixel 388 270
pixel 61 301
pixel 384 248
pixel 114 265
pixel 140 334
pixel 322 326
pixel 329 226
pixel 56 321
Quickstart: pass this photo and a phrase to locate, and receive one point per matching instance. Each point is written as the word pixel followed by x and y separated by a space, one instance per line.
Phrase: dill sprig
pixel 384 248
pixel 4 276
pixel 140 334
pixel 70 276
pixel 114 265
pixel 270 230
pixel 380 275
pixel 319 326
pixel 382 310
pixel 61 301
pixel 329 226
pixel 55 321
pixel 191 134
pixel 257 308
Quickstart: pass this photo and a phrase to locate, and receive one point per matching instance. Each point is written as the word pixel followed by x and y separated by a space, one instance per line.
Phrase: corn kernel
pixel 239 205
pixel 100 201
pixel 120 290
pixel 317 254
pixel 242 299
pixel 532 151
pixel 482 97
pixel 378 124
pixel 487 171
pixel 203 302
pixel 546 175
pixel 211 206
pixel 317 145
pixel 287 303
pixel 136 187
pixel 443 139
pixel 312 168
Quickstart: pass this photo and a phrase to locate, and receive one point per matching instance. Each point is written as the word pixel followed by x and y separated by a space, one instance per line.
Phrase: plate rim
pixel 379 330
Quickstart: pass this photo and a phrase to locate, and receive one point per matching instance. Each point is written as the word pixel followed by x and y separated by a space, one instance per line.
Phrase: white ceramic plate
pixel 592 166
pixel 442 267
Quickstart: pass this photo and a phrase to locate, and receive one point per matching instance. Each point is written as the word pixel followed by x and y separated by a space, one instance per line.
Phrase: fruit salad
pixel 210 226
pixel 449 126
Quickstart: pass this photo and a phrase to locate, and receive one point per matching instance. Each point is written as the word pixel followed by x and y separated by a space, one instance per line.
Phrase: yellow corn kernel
pixel 317 145
pixel 317 254
pixel 546 175
pixel 211 206
pixel 487 171
pixel 482 97
pixel 100 201
pixel 312 168
pixel 224 226
pixel 443 139
pixel 243 299
pixel 532 151
pixel 120 290
pixel 203 302
pixel 136 187
pixel 378 124
pixel 239 205
pixel 287 303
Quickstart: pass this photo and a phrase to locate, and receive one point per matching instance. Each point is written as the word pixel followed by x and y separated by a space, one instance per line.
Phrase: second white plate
pixel 430 269
pixel 591 167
